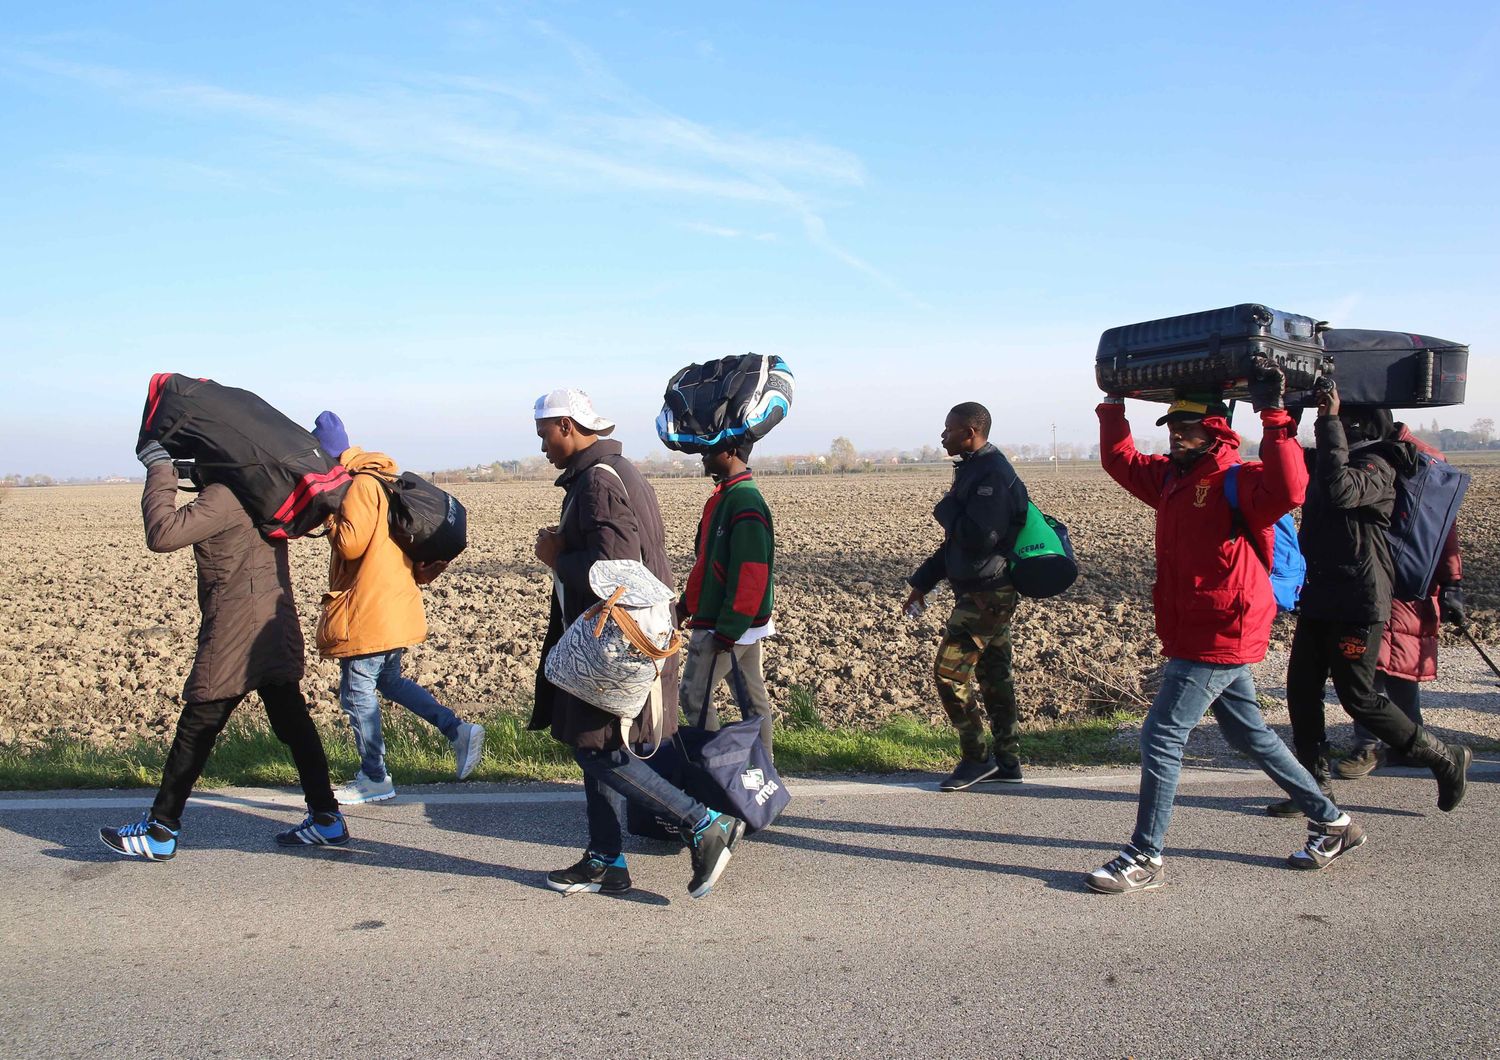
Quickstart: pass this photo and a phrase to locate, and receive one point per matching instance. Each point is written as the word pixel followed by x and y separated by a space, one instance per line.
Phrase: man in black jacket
pixel 1346 600
pixel 980 516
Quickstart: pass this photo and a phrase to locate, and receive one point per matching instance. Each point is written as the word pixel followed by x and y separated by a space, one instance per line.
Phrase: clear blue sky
pixel 422 215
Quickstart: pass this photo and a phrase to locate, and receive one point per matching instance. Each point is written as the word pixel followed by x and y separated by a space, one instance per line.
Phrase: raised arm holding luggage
pixel 249 640
pixel 1346 600
pixel 1214 608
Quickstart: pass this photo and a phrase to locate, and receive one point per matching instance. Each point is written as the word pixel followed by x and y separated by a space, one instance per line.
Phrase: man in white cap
pixel 609 512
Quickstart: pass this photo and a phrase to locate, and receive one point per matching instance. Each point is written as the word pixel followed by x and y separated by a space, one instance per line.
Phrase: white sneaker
pixel 363 789
pixel 468 748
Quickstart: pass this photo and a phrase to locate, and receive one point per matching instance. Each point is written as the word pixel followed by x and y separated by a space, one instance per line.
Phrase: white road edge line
pixel 807 789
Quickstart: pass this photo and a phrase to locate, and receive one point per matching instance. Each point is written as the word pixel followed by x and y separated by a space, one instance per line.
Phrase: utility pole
pixel 1054 450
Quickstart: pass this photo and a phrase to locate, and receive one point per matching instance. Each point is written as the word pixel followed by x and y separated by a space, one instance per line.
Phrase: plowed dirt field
pixel 96 633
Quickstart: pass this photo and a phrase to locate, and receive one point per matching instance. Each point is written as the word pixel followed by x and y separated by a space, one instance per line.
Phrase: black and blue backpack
pixel 1427 503
pixel 1287 568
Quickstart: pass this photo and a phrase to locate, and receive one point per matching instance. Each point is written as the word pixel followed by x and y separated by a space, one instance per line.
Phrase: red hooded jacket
pixel 1409 648
pixel 1212 596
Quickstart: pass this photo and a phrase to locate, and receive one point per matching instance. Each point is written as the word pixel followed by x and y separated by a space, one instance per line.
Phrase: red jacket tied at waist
pixel 1212 596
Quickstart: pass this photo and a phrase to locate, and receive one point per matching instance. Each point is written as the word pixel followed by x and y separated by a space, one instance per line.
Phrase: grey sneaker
pixel 1357 764
pixel 1129 871
pixel 968 773
pixel 362 789
pixel 1326 841
pixel 468 748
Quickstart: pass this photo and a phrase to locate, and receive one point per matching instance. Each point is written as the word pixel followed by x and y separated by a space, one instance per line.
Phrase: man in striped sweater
pixel 727 603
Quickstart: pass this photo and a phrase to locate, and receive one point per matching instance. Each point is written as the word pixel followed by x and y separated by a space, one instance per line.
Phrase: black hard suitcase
pixel 287 484
pixel 1217 351
pixel 1397 370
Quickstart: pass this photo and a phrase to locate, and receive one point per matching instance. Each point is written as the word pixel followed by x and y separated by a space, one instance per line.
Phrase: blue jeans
pixel 612 778
pixel 360 678
pixel 1188 691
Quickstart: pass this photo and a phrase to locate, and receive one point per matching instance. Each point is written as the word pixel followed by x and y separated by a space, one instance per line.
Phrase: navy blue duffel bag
pixel 728 770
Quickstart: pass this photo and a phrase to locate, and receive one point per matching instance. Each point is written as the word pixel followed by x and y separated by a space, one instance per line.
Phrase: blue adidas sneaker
pixel 316 830
pixel 148 839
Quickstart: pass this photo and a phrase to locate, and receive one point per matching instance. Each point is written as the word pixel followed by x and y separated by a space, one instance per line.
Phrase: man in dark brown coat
pixel 249 640
pixel 609 512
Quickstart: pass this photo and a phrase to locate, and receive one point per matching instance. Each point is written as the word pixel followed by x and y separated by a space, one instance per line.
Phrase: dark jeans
pixel 199 725
pixel 613 778
pixel 1405 694
pixel 1348 653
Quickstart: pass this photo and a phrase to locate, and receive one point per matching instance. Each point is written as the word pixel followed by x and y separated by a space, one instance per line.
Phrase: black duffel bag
pixel 285 480
pixel 733 399
pixel 428 523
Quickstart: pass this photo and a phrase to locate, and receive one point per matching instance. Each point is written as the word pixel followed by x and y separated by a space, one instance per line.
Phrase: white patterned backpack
pixel 613 654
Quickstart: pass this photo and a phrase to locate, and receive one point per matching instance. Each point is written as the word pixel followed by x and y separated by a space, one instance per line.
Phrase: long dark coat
pixel 604 517
pixel 249 635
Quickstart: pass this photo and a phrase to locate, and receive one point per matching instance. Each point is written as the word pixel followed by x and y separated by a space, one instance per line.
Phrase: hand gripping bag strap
pixel 730 770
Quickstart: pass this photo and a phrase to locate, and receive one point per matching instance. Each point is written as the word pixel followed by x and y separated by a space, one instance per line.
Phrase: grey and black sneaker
pixel 1326 841
pixel 1007 771
pixel 1130 870
pixel 968 773
pixel 1357 764
pixel 711 848
pixel 592 875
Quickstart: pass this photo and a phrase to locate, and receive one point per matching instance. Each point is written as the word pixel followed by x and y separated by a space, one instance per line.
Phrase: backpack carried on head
pixel 428 523
pixel 733 399
pixel 1426 508
pixel 1285 565
pixel 287 483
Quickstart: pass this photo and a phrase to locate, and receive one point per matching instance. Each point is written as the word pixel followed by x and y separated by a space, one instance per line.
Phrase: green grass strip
pixel 248 754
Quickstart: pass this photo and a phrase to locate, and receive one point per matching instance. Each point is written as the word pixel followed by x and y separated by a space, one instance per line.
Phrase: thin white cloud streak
pixel 721 232
pixel 614 138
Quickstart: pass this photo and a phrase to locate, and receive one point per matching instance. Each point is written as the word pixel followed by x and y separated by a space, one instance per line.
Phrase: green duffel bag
pixel 1041 562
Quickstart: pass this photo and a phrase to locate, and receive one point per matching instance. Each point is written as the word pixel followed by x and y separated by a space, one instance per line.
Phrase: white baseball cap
pixel 575 404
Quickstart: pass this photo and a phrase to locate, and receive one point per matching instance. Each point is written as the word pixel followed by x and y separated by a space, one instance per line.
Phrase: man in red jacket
pixel 1214 608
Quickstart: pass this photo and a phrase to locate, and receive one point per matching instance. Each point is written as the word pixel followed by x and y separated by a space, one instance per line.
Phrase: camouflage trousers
pixel 976 645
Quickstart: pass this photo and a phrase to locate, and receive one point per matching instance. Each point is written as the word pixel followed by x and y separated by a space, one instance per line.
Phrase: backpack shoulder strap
pixel 1237 517
pixel 1232 486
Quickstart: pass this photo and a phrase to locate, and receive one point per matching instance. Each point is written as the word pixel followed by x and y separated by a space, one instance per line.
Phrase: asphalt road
pixel 879 919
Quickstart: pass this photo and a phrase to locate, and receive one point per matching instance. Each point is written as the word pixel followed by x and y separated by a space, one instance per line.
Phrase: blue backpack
pixel 1426 508
pixel 1287 568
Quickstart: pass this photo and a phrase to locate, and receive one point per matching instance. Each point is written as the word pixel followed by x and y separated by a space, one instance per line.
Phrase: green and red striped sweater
pixel 731 587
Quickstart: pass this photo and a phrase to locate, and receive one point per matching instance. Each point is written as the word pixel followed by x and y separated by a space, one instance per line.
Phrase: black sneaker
pixel 316 829
pixel 968 773
pixel 1129 871
pixel 1007 771
pixel 711 848
pixel 1326 842
pixel 1358 764
pixel 592 875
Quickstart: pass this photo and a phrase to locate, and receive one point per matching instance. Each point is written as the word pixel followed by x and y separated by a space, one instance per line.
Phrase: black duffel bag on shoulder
pixel 276 468
pixel 428 523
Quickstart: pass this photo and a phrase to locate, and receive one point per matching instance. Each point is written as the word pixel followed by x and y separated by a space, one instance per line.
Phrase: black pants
pixel 199 725
pixel 1347 653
